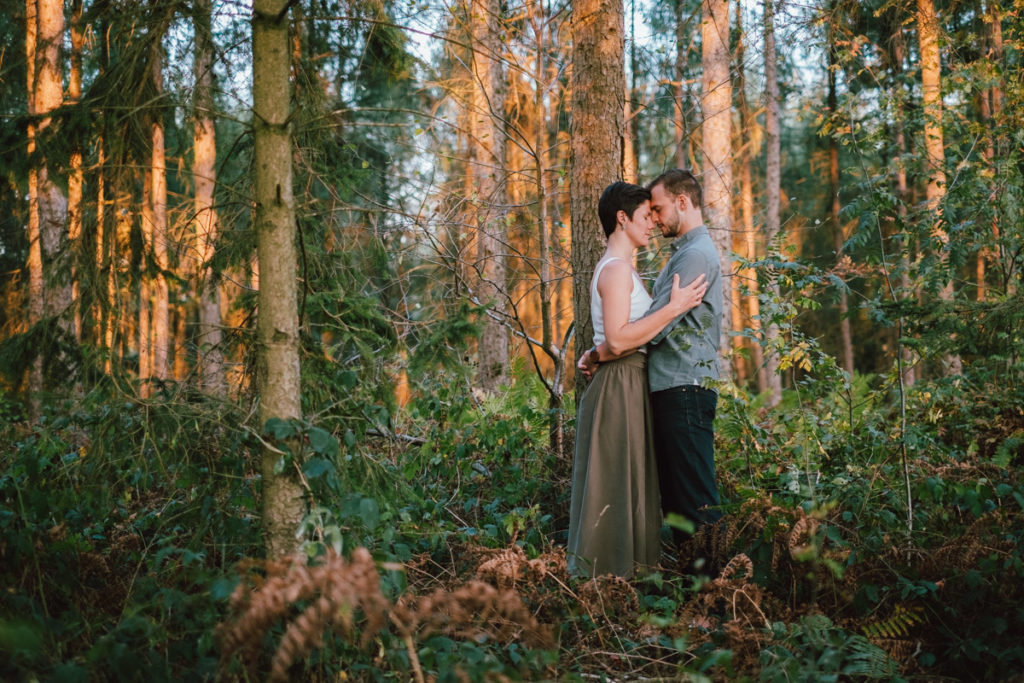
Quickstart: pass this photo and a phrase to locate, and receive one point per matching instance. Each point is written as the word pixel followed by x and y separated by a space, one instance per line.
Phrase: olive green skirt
pixel 615 513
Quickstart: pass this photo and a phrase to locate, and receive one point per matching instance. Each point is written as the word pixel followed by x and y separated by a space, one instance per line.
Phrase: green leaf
pixel 280 429
pixel 322 441
pixel 223 588
pixel 316 467
pixel 369 511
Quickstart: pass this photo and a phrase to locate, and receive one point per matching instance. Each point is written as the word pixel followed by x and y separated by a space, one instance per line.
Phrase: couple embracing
pixel 644 429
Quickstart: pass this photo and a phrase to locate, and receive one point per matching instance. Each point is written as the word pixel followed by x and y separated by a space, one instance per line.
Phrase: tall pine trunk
pixel 158 198
pixel 76 179
pixel 935 154
pixel 772 190
pixel 716 133
pixel 488 110
pixel 211 356
pixel 36 303
pixel 747 245
pixel 277 326
pixel 537 16
pixel 53 204
pixel 682 134
pixel 595 131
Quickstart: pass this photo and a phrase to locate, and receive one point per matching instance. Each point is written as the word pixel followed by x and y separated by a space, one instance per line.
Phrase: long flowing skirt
pixel 615 513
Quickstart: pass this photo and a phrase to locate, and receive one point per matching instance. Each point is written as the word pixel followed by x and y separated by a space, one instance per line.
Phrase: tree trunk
pixel 53 204
pixel 277 327
pixel 935 155
pixel 211 356
pixel 772 189
pixel 747 246
pixel 595 131
pixel 838 239
pixel 36 303
pixel 682 138
pixel 145 288
pixel 544 227
pixel 631 129
pixel 488 111
pixel 158 198
pixel 76 179
pixel 716 101
pixel 995 149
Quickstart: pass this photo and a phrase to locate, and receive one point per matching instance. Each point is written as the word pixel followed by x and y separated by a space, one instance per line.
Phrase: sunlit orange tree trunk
pixel 36 304
pixel 935 154
pixel 488 112
pixel 716 129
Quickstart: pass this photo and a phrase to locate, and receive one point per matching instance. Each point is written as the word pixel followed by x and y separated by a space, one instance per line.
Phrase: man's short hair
pixel 678 181
pixel 619 196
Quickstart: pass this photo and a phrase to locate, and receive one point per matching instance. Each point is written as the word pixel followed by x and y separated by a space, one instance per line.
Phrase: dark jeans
pixel 684 443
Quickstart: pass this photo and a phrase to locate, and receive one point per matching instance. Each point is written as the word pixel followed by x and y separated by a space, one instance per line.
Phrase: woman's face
pixel 639 227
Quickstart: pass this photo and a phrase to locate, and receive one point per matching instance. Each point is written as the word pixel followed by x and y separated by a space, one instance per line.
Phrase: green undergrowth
pixel 877 547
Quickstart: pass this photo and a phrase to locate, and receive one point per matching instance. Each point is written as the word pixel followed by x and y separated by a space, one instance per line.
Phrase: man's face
pixel 665 211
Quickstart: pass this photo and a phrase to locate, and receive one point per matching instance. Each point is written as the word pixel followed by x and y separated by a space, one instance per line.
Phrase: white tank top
pixel 639 300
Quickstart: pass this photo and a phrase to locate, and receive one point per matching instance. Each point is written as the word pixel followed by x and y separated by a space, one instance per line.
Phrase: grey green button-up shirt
pixel 686 351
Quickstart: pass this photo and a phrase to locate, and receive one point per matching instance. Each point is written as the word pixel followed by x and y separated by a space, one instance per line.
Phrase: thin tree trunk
pixel 53 204
pixel 596 132
pixel 631 130
pixel 277 328
pixel 540 115
pixel 682 138
pixel 995 149
pixel 211 356
pixel 76 179
pixel 716 130
pixel 748 248
pixel 36 303
pixel 838 239
pixel 931 76
pixel 489 145
pixel 158 198
pixel 773 188
pixel 145 288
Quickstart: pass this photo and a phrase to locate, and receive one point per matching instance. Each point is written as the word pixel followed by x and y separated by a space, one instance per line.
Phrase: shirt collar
pixel 688 237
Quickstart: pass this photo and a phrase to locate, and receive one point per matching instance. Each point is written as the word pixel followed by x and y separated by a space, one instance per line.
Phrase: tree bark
pixel 488 109
pixel 537 16
pixel 935 155
pixel 682 135
pixel 747 245
pixel 53 204
pixel 716 129
pixel 277 327
pixel 211 356
pixel 36 303
pixel 773 188
pixel 158 198
pixel 76 179
pixel 145 288
pixel 596 129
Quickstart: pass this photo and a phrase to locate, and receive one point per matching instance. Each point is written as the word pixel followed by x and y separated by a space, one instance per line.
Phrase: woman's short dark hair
pixel 678 181
pixel 620 196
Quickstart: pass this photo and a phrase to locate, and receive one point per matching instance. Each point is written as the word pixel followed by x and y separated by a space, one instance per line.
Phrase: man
pixel 683 358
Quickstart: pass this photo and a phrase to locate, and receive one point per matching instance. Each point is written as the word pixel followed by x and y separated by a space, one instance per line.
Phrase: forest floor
pixel 853 546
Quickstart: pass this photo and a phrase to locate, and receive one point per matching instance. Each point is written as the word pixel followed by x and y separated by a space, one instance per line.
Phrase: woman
pixel 615 513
